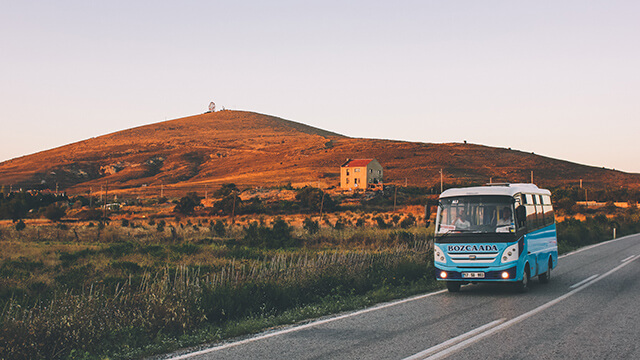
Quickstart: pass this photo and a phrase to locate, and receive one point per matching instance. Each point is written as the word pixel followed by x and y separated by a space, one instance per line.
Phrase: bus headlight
pixel 438 254
pixel 510 253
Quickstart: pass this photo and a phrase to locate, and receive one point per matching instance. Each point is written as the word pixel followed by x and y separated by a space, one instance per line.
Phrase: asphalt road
pixel 589 310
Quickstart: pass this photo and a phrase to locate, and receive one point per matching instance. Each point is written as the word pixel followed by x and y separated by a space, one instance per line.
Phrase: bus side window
pixel 521 216
pixel 530 207
pixel 548 210
pixel 539 210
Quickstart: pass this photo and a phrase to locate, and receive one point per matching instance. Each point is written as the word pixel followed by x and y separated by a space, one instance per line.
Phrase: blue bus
pixel 495 233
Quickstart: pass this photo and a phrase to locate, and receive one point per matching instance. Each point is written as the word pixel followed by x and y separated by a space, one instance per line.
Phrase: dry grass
pixel 102 294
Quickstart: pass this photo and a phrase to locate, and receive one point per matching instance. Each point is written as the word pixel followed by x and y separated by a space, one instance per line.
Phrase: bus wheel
pixel 522 286
pixel 453 286
pixel 546 276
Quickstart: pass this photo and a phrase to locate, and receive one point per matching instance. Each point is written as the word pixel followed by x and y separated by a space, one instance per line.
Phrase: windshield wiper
pixel 456 231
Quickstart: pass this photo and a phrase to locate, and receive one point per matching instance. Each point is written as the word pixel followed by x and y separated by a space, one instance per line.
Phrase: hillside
pixel 201 152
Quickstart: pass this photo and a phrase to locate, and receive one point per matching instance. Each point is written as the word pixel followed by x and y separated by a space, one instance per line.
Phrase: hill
pixel 199 153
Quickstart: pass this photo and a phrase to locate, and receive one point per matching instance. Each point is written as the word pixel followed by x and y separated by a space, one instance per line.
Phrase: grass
pixel 119 292
pixel 131 291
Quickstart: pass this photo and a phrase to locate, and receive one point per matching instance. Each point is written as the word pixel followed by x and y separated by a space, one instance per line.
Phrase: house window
pixel 347 180
pixel 370 171
pixel 355 181
pixel 347 172
pixel 356 170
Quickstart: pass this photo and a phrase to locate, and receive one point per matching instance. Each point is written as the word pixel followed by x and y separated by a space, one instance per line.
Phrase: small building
pixel 364 174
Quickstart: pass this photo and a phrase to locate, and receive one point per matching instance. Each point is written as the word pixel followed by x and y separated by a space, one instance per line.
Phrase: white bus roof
pixel 496 189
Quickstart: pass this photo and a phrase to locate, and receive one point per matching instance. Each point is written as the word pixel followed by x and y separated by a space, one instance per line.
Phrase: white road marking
pixel 584 281
pixel 627 259
pixel 595 245
pixel 505 325
pixel 455 340
pixel 305 326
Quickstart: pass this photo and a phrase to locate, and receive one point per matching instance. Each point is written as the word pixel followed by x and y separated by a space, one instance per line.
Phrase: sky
pixel 557 78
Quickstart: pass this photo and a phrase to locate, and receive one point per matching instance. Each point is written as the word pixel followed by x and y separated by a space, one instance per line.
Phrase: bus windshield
pixel 475 214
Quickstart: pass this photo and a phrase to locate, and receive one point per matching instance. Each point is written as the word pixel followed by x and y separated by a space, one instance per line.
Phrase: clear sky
pixel 558 78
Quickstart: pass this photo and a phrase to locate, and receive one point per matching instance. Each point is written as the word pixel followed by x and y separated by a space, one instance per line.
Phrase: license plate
pixel 473 275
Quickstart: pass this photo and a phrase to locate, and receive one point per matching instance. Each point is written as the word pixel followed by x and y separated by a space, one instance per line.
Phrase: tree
pixel 226 190
pixel 187 204
pixel 14 209
pixel 314 198
pixel 228 205
pixel 54 212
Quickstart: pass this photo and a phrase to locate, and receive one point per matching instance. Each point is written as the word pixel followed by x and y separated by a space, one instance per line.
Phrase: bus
pixel 495 233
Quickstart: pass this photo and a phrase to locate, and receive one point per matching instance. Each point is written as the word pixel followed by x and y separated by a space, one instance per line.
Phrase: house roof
pixel 357 162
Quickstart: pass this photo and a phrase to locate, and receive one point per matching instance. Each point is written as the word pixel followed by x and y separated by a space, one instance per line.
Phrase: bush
pixel 20 225
pixel 160 226
pixel 408 221
pixel 219 228
pixel 381 223
pixel 54 212
pixel 278 236
pixel 311 226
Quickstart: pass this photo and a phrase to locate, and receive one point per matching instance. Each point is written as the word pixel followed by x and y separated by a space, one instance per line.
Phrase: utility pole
pixel 233 210
pixel 586 200
pixel 580 183
pixel 104 211
pixel 532 176
pixel 321 205
pixel 395 194
pixel 441 181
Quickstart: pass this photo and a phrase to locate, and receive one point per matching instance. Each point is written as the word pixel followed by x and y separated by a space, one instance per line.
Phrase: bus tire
pixel 522 286
pixel 453 286
pixel 546 276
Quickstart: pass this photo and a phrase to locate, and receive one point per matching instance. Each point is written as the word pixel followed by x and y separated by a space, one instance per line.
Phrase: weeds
pixel 103 319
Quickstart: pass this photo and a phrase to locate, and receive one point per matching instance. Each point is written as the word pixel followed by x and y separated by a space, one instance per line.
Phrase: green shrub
pixel 160 226
pixel 408 221
pixel 119 249
pixel 311 226
pixel 20 225
pixel 54 212
pixel 219 228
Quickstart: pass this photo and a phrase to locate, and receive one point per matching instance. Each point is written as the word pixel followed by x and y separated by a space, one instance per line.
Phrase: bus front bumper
pixel 473 275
